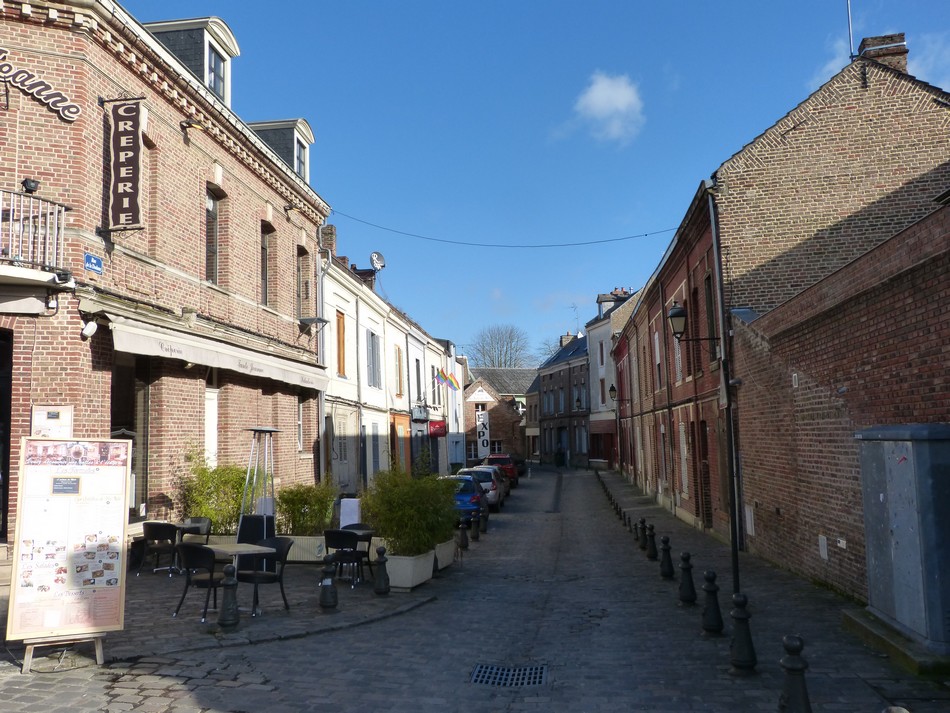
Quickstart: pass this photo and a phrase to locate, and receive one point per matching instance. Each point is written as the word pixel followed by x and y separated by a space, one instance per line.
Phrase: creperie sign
pixel 125 148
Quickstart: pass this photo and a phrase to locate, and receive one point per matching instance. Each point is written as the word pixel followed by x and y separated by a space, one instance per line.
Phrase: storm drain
pixel 510 675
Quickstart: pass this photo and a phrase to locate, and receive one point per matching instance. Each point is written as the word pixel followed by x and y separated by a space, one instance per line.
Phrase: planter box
pixel 408 572
pixel 445 553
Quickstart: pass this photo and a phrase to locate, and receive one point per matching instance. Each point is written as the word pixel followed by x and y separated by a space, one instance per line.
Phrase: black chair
pixel 264 574
pixel 203 533
pixel 160 539
pixel 363 543
pixel 346 553
pixel 197 562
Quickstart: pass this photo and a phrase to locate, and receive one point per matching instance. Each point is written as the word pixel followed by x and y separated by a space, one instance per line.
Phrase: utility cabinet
pixel 905 477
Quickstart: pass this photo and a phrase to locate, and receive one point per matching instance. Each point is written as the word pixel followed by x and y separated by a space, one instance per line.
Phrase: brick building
pixel 493 415
pixel 157 282
pixel 859 161
pixel 563 392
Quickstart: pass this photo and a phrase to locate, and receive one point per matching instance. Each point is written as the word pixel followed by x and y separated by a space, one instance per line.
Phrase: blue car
pixel 469 498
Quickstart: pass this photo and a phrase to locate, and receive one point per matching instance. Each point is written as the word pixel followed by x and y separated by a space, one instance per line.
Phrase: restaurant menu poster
pixel 68 575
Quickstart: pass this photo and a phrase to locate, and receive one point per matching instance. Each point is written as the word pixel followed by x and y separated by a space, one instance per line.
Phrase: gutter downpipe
pixel 321 345
pixel 726 393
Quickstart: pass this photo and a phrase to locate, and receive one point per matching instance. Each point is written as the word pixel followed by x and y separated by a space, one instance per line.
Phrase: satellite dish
pixel 377 260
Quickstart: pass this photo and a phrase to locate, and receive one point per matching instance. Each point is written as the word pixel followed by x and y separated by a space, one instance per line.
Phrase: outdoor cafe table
pixel 235 549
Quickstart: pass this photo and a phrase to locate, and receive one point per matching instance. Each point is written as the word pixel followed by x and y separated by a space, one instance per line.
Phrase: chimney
pixel 566 339
pixel 328 238
pixel 886 49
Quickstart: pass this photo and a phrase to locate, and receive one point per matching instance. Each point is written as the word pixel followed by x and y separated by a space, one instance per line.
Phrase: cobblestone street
pixel 557 591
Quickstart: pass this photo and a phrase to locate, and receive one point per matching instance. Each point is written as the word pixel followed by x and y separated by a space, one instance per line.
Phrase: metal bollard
pixel 483 522
pixel 712 615
pixel 463 536
pixel 636 532
pixel 643 533
pixel 328 595
pixel 741 649
pixel 476 527
pixel 228 615
pixel 794 698
pixel 666 561
pixel 687 589
pixel 381 580
pixel 651 543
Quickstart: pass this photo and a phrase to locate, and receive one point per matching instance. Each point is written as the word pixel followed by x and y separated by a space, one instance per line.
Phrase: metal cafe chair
pixel 197 562
pixel 346 553
pixel 263 574
pixel 160 539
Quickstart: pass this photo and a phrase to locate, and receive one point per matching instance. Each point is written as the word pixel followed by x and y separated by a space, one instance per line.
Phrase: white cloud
pixel 929 59
pixel 841 56
pixel 611 106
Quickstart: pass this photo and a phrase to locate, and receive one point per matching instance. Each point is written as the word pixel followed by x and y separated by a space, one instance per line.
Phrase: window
pixel 399 375
pixel 211 238
pixel 300 159
pixel 656 358
pixel 710 317
pixel 496 447
pixel 480 408
pixel 560 402
pixel 436 391
pixel 678 359
pixel 373 364
pixel 420 394
pixel 684 471
pixel 471 450
pixel 301 400
pixel 374 440
pixel 340 344
pixel 303 283
pixel 216 70
pixel 601 353
pixel 266 230
pixel 603 393
pixel 340 442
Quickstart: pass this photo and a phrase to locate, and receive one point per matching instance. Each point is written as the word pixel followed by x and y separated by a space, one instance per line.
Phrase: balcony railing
pixel 31 232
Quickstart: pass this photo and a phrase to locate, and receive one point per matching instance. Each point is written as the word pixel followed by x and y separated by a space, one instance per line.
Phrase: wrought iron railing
pixel 32 231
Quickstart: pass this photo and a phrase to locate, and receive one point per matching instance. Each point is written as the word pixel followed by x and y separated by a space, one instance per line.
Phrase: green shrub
pixel 305 509
pixel 213 492
pixel 412 514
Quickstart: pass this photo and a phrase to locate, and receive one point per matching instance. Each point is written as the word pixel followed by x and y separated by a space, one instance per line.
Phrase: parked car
pixel 520 464
pixel 469 498
pixel 506 463
pixel 491 483
pixel 499 473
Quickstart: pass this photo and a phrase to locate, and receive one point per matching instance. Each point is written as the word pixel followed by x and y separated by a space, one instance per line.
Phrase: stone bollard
pixel 476 527
pixel 666 561
pixel 651 544
pixel 630 523
pixel 381 580
pixel 636 532
pixel 463 536
pixel 228 614
pixel 794 698
pixel 328 595
pixel 483 523
pixel 741 649
pixel 643 534
pixel 687 589
pixel 712 615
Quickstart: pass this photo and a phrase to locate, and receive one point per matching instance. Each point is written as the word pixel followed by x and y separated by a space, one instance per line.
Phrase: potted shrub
pixel 303 512
pixel 412 515
pixel 213 492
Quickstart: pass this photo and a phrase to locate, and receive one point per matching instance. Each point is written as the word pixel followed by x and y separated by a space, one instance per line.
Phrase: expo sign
pixel 482 434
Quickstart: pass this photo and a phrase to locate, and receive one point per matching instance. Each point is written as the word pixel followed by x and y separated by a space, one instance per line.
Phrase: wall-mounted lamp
pixel 88 329
pixel 30 185
pixel 677 317
pixel 577 405
pixel 612 392
pixel 191 124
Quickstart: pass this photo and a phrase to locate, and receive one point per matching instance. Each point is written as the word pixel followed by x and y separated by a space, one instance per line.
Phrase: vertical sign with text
pixel 125 161
pixel 482 434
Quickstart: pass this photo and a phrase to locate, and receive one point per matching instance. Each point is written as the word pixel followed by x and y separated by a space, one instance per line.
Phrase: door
pixel 6 390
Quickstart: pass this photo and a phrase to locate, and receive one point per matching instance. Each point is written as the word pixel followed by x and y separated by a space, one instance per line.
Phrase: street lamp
pixel 678 319
pixel 612 392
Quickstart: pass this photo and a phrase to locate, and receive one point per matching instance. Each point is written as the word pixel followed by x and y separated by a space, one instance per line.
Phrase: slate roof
pixel 507 382
pixel 572 350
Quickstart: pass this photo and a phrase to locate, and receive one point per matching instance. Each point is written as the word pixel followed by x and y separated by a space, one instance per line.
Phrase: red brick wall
pixel 866 346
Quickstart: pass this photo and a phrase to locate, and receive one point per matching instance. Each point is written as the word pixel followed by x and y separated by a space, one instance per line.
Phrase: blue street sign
pixel 93 263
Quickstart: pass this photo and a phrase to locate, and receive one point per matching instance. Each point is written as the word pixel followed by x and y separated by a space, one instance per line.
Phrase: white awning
pixel 141 338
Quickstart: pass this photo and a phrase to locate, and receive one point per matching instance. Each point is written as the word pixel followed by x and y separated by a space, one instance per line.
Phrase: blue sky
pixel 447 130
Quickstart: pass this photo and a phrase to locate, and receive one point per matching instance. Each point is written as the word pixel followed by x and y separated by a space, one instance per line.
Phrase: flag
pixel 440 377
pixel 453 382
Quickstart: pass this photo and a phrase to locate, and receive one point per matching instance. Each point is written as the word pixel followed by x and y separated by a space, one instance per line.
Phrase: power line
pixel 500 245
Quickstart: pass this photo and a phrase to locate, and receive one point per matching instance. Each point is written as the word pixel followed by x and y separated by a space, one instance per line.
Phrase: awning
pixel 136 337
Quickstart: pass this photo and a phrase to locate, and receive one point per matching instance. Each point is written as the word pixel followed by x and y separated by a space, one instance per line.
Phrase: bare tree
pixel 547 348
pixel 501 345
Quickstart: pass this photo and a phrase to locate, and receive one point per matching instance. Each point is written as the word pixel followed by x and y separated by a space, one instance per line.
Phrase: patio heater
pixel 257 503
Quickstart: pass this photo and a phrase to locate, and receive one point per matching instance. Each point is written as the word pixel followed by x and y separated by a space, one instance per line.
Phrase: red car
pixel 507 465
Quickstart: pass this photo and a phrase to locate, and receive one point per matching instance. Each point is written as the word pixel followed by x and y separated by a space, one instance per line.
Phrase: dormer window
pixel 290 139
pixel 216 73
pixel 205 46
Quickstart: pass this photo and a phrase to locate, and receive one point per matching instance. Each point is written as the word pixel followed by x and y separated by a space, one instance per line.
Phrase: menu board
pixel 68 575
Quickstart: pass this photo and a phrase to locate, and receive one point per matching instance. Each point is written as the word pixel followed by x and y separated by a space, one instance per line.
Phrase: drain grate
pixel 510 675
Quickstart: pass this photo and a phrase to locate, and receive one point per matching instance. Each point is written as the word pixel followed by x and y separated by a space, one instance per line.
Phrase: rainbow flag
pixel 453 382
pixel 440 377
